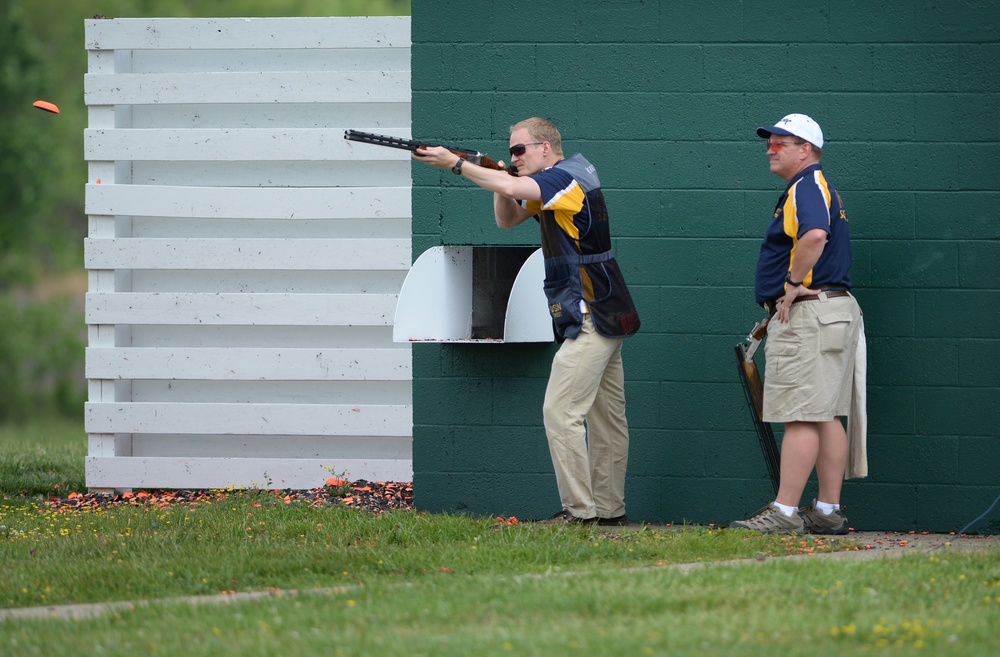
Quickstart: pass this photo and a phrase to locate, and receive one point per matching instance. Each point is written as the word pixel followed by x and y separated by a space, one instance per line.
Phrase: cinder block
pixel 645 297
pixel 518 402
pixel 977 363
pixel 901 459
pixel 918 67
pixel 659 453
pixel 903 166
pixel 593 19
pixel 909 361
pixel 965 22
pixel 950 117
pixel 646 359
pixel 979 265
pixel 683 407
pixel 876 215
pixel 700 22
pixel 636 212
pixel 513 104
pixel 425 56
pixel 437 448
pixel 936 213
pixel 881 507
pixel 889 22
pixel 746 67
pixel 640 118
pixel 426 360
pixel 861 267
pixel 500 450
pixel 735 454
pixel 526 496
pixel 452 401
pixel 978 462
pixel 840 63
pixel 700 312
pixel 702 213
pixel 888 312
pixel 685 500
pixel 980 61
pixel 942 313
pixel 440 20
pixel 953 507
pixel 688 357
pixel 965 411
pixel 516 360
pixel 891 410
pixel 643 404
pixel 978 165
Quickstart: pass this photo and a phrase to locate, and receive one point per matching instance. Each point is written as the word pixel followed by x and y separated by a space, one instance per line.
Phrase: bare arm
pixel 807 252
pixel 508 212
pixel 506 188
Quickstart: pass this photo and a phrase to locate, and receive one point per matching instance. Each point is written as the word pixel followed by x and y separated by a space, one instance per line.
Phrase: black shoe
pixel 564 517
pixel 617 521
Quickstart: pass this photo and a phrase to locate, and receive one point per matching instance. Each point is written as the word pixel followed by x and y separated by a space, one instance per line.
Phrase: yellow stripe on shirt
pixel 791 227
pixel 566 204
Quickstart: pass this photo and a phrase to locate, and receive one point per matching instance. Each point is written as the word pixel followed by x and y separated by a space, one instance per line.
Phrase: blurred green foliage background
pixel 42 177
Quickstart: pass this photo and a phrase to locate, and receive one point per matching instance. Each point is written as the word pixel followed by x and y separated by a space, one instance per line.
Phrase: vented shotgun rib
pixel 753 386
pixel 474 157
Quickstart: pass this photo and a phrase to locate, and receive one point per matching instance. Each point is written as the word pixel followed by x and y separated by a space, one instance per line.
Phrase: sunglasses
pixel 517 150
pixel 778 145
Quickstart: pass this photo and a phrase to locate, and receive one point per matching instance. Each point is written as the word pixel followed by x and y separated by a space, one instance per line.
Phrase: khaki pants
pixel 587 383
pixel 810 361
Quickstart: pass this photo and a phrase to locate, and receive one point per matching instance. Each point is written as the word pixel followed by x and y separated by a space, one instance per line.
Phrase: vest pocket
pixel 564 296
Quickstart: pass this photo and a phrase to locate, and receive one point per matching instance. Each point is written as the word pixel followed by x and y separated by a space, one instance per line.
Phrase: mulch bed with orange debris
pixel 374 496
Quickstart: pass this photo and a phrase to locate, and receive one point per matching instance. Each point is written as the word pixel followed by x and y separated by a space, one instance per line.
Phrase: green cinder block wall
pixel 664 97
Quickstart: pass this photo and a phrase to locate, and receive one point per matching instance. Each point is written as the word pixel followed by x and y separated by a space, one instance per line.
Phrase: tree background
pixel 42 178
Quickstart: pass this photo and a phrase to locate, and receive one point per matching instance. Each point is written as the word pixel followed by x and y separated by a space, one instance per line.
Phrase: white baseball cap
pixel 796 125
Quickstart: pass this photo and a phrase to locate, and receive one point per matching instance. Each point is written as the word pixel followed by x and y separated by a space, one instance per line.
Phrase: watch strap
pixel 788 279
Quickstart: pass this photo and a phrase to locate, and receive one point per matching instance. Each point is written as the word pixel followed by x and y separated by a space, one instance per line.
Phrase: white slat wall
pixel 244 259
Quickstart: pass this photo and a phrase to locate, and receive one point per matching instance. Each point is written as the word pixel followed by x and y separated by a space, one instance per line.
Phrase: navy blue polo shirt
pixel 810 201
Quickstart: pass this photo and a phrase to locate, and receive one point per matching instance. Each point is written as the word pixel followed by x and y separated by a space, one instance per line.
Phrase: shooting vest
pixel 581 273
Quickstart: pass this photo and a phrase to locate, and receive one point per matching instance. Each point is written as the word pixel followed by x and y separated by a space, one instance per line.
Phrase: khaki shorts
pixel 809 368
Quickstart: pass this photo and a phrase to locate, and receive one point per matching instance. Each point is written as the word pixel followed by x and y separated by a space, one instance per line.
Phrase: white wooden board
pixel 246 364
pixel 244 259
pixel 258 254
pixel 206 473
pixel 248 203
pixel 251 419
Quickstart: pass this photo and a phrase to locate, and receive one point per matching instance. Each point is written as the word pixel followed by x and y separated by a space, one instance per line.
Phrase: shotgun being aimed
pixel 474 157
pixel 753 386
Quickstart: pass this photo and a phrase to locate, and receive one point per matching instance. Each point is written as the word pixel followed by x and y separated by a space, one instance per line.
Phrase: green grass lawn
pixel 44 458
pixel 350 582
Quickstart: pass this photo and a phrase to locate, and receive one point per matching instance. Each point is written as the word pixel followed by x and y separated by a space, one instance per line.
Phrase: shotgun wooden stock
pixel 474 157
pixel 753 387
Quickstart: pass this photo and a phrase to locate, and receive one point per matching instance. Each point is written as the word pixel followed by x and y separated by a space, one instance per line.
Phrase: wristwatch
pixel 457 169
pixel 788 276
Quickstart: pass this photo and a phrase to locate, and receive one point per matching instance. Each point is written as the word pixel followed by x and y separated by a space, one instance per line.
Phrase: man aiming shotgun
pixel 590 305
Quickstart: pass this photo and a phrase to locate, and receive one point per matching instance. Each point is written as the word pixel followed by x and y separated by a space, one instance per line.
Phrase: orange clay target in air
pixel 46 105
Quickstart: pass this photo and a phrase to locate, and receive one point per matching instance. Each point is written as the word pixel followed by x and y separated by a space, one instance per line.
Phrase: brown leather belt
pixel 772 306
pixel 830 294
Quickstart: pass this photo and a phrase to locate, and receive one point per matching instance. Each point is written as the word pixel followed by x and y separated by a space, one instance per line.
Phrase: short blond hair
pixel 541 130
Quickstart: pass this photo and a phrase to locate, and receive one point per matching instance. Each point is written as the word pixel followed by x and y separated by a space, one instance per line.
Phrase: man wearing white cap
pixel 815 351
